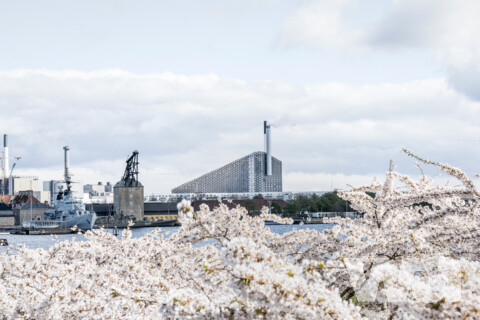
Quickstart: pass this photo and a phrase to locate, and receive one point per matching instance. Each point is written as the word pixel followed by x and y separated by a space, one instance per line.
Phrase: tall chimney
pixel 5 159
pixel 5 154
pixel 268 151
pixel 67 162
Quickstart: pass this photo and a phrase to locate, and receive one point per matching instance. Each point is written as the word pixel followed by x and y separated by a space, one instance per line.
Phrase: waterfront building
pixel 177 197
pixel 254 173
pixel 247 174
pixel 155 211
pixel 43 196
pixel 98 193
pixel 106 197
pixel 7 218
pixel 24 197
pixel 285 195
pixel 22 183
pixel 97 189
pixel 29 211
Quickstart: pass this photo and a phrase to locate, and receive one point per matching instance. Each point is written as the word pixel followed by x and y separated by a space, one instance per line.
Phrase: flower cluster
pixel 185 209
pixel 448 289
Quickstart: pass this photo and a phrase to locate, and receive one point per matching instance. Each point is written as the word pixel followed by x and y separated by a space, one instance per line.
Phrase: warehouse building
pixel 7 217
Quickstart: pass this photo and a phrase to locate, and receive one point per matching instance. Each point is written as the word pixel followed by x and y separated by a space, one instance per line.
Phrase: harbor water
pixel 46 241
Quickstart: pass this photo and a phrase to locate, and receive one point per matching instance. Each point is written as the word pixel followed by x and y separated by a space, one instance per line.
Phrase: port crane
pixel 10 175
pixel 130 175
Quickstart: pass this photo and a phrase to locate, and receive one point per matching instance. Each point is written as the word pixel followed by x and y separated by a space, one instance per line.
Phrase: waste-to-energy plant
pixel 256 172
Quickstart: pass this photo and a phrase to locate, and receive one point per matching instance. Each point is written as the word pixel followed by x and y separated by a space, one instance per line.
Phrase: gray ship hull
pixel 124 223
pixel 83 222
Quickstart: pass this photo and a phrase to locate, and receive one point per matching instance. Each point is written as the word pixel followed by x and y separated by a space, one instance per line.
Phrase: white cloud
pixel 321 23
pixel 184 126
pixel 446 28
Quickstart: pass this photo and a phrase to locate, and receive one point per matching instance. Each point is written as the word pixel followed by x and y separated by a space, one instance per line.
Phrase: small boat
pixel 3 242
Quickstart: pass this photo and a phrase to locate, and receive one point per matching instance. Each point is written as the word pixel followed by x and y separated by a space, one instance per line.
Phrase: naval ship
pixel 67 211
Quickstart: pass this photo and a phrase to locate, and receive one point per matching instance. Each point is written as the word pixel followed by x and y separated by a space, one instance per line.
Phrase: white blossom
pixel 414 255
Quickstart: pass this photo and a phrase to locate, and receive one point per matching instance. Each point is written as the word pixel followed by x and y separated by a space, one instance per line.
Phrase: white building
pixel 24 183
pixel 219 196
pixel 98 193
pixel 97 189
pixel 105 197
pixel 42 196
pixel 53 186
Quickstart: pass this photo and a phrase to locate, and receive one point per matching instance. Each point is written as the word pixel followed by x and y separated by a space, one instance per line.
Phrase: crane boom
pixel 11 171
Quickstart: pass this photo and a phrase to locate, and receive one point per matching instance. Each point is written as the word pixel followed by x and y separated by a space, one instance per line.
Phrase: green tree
pixel 307 204
pixel 276 208
pixel 252 207
pixel 328 202
pixel 292 208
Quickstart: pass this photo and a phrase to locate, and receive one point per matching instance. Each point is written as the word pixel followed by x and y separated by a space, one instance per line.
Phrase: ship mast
pixel 68 178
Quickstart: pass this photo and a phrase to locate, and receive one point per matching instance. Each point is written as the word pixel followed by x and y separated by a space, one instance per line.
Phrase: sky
pixel 346 85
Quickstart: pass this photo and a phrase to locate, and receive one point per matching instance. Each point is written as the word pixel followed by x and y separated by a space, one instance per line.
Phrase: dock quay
pixel 33 231
pixel 9 229
pixel 44 231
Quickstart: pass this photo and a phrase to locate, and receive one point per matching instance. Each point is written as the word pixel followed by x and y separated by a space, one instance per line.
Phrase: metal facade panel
pixel 246 174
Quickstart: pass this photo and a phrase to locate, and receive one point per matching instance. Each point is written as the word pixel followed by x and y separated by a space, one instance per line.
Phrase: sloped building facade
pixel 247 174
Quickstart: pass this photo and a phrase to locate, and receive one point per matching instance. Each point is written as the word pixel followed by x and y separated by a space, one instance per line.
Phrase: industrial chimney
pixel 5 154
pixel 268 151
pixel 6 166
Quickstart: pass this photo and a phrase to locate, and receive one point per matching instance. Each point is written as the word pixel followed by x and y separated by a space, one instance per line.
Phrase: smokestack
pixel 67 163
pixel 5 152
pixel 5 159
pixel 268 151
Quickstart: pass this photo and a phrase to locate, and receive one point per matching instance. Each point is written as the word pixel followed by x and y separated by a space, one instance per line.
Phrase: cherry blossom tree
pixel 234 275
pixel 414 255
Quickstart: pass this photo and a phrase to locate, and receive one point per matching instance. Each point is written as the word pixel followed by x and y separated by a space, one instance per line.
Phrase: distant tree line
pixel 328 202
